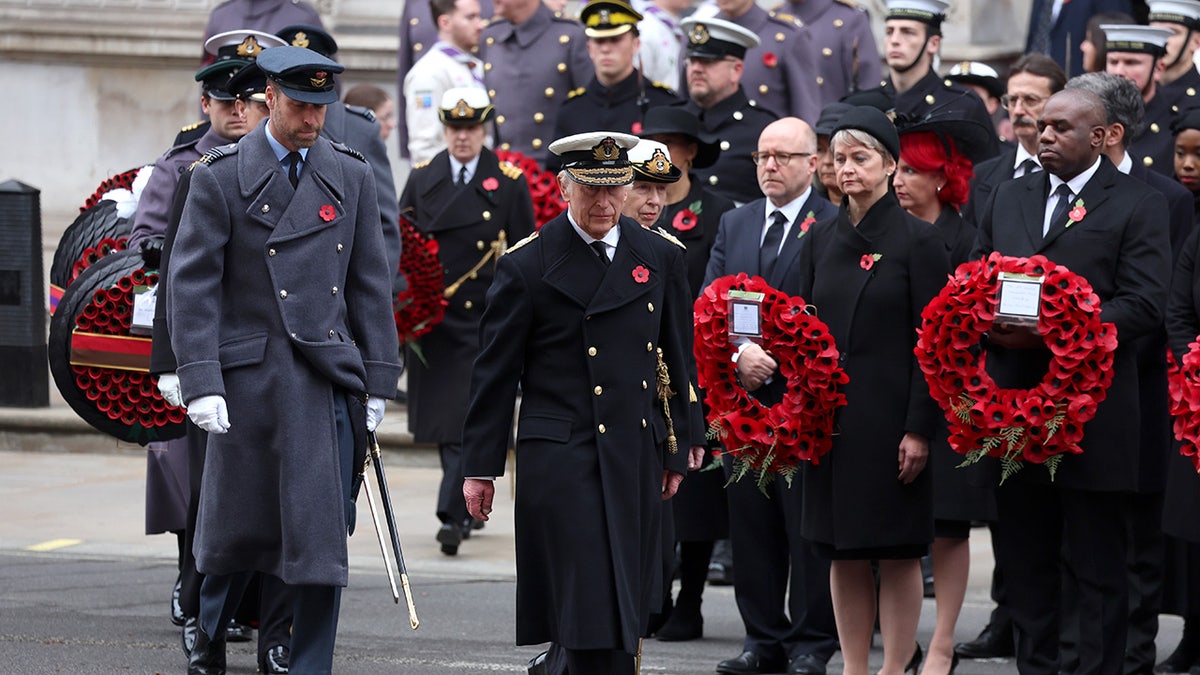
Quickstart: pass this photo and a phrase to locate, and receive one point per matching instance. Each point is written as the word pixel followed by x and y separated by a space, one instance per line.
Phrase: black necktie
pixel 1027 167
pixel 1064 202
pixel 601 251
pixel 462 176
pixel 294 167
pixel 770 246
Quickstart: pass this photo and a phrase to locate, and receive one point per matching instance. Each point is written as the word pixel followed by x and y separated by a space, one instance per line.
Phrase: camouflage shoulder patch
pixel 669 237
pixel 576 92
pixel 365 113
pixel 511 170
pixel 521 243
pixel 342 147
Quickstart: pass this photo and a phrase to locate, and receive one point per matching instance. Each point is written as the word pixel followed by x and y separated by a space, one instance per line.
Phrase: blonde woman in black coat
pixel 870 272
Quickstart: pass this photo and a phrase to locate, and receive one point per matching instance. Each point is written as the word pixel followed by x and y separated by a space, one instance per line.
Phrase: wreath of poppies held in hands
pixel 1037 425
pixel 1184 390
pixel 421 306
pixel 771 440
pixel 543 187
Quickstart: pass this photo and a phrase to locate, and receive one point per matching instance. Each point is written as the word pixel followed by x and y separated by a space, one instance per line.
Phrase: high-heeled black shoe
pixel 953 664
pixel 914 664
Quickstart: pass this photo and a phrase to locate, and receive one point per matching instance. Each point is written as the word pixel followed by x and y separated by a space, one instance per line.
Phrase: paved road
pixel 82 590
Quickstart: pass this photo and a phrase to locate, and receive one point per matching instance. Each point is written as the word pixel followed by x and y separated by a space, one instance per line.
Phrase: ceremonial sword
pixel 390 515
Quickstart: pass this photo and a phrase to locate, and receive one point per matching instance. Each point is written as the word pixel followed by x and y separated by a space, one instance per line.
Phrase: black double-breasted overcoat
pixel 580 340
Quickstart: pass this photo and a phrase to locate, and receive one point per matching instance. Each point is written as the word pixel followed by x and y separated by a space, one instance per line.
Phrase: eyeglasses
pixel 1027 100
pixel 781 158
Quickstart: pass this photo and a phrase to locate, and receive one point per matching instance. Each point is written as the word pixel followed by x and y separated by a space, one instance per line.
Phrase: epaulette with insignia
pixel 788 18
pixel 576 92
pixel 217 153
pixel 521 243
pixel 191 127
pixel 660 85
pixel 669 237
pixel 511 170
pixel 852 3
pixel 362 112
pixel 342 147
pixel 421 165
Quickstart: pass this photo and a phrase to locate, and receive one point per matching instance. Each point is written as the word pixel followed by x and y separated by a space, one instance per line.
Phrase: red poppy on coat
pixel 867 261
pixel 769 59
pixel 685 220
pixel 327 213
pixel 490 183
pixel 641 274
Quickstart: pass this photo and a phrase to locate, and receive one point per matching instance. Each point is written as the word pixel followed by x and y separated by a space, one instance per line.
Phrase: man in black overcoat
pixel 473 206
pixel 576 316
pixel 764 238
pixel 1113 236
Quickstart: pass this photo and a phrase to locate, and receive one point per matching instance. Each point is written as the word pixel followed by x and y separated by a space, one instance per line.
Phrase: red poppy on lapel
pixel 490 183
pixel 807 223
pixel 769 59
pixel 1076 213
pixel 641 274
pixel 868 260
pixel 685 220
pixel 327 213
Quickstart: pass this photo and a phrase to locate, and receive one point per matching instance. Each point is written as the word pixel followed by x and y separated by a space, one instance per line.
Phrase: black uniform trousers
pixel 314 608
pixel 769 552
pixel 451 505
pixel 1041 528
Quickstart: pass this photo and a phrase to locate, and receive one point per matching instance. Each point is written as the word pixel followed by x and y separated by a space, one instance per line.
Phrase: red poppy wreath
pixel 1037 425
pixel 769 440
pixel 421 306
pixel 1184 388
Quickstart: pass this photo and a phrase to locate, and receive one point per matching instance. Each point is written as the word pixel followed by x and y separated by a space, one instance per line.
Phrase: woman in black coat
pixel 870 272
pixel 932 182
pixel 692 214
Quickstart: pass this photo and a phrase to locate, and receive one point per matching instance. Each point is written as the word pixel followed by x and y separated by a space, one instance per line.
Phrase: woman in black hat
pixel 693 211
pixel 870 272
pixel 932 183
pixel 692 214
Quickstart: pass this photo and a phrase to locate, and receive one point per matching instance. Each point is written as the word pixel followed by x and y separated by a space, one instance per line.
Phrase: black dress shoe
pixel 749 663
pixel 208 655
pixel 537 665
pixel 1184 659
pixel 190 626
pixel 177 616
pixel 275 661
pixel 449 535
pixel 720 574
pixel 992 643
pixel 238 632
pixel 806 664
pixel 684 624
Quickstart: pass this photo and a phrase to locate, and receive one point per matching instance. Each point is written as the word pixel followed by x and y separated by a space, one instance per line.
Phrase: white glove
pixel 210 414
pixel 375 408
pixel 168 386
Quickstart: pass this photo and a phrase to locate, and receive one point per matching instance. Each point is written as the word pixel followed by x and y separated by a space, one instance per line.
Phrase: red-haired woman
pixel 932 182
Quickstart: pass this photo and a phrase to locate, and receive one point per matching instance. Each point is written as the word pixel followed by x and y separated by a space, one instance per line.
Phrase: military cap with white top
pixel 240 44
pixel 974 72
pixel 1184 12
pixel 931 12
pixel 599 158
pixel 717 38
pixel 465 107
pixel 652 163
pixel 1136 39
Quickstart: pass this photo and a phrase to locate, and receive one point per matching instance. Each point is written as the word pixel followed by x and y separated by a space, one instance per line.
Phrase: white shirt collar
pixel 1076 184
pixel 1022 155
pixel 610 240
pixel 1126 164
pixel 455 165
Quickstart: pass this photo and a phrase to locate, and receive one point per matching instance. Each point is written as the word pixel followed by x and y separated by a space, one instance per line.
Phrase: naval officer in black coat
pixel 576 317
pixel 472 205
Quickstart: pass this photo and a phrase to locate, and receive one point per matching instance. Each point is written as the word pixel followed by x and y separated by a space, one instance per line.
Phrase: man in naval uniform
pixel 357 128
pixel 533 58
pixel 448 63
pixel 580 316
pixel 279 312
pixel 418 32
pixel 841 34
pixel 1136 53
pixel 619 95
pixel 1180 77
pixel 913 36
pixel 472 205
pixel 715 64
pixel 780 72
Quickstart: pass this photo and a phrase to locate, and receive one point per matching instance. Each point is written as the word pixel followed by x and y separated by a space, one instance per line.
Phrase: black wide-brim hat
pixel 872 121
pixel 973 140
pixel 676 120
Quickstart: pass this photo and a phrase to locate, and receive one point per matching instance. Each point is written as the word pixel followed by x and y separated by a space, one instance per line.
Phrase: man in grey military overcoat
pixel 280 318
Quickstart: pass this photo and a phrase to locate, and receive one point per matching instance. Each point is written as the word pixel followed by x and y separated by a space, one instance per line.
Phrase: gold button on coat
pixel 838 23
pixel 779 37
pixel 762 89
pixel 491 93
pixel 549 92
pixel 468 304
pixel 418 47
pixel 339 248
pixel 479 245
pixel 601 428
pixel 500 119
pixel 266 208
pixel 929 99
pixel 737 115
pixel 487 215
pixel 414 21
pixel 536 143
pixel 283 294
pixel 334 291
pixel 331 334
pixel 1148 161
pixel 643 422
pixel 538 117
pixel 491 40
pixel 591 351
pixel 724 145
pixel 598 390
pixel 564 39
pixel 271 252
pixel 1154 127
pixel 487 67
pixel 649 346
pixel 644 385
pixel 827 52
pixel 650 306
pixel 562 67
